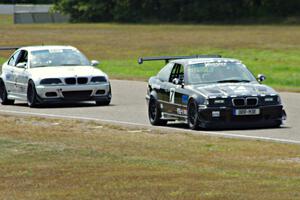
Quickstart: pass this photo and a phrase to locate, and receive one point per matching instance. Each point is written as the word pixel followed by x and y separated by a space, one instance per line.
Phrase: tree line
pixel 26 1
pixel 193 11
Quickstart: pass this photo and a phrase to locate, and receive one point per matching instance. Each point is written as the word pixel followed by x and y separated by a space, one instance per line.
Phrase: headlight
pixel 219 101
pixel 203 105
pixel 278 100
pixel 269 99
pixel 272 100
pixel 205 102
pixel 99 79
pixel 50 81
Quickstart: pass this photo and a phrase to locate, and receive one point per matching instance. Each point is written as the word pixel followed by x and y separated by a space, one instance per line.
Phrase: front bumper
pixel 269 116
pixel 59 93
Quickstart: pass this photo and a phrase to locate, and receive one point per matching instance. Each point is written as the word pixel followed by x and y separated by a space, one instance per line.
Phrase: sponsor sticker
pixel 181 111
pixel 56 50
pixel 8 76
pixel 185 99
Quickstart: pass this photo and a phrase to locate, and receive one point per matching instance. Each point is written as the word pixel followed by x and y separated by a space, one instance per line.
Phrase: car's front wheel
pixel 154 113
pixel 3 95
pixel 193 115
pixel 32 97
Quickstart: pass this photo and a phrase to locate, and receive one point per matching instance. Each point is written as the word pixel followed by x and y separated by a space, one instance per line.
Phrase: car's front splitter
pixel 270 116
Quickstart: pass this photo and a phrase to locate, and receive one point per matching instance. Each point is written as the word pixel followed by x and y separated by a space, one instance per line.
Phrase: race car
pixel 45 74
pixel 211 92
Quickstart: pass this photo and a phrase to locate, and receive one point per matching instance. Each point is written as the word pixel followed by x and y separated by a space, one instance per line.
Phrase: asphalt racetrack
pixel 129 107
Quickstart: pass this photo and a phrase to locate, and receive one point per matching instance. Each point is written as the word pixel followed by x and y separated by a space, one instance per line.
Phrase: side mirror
pixel 178 81
pixel 95 63
pixel 261 77
pixel 21 65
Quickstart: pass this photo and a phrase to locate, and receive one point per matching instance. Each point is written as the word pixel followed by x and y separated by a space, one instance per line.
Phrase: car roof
pixel 46 47
pixel 204 60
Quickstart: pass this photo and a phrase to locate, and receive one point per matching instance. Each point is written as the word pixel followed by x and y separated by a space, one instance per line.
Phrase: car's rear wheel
pixel 3 95
pixel 32 97
pixel 154 113
pixel 193 116
pixel 107 101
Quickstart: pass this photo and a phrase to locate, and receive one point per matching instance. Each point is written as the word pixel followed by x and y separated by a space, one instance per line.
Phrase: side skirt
pixel 173 117
pixel 16 97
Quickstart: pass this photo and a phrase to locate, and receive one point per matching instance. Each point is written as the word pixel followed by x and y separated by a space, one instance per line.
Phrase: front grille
pixel 70 81
pixel 73 81
pixel 252 101
pixel 249 101
pixel 82 80
pixel 77 95
pixel 238 102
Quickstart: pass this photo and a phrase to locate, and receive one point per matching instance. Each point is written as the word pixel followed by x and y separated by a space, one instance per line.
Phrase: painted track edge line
pixel 228 135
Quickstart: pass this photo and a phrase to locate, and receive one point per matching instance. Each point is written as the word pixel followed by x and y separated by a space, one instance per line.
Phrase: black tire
pixel 3 95
pixel 193 115
pixel 32 97
pixel 154 113
pixel 107 101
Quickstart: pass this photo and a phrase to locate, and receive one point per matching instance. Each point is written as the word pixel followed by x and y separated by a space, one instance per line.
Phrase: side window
pixel 22 58
pixel 13 59
pixel 177 72
pixel 164 74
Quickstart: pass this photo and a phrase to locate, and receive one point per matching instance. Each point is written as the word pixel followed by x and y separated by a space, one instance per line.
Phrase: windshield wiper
pixel 70 64
pixel 41 66
pixel 233 81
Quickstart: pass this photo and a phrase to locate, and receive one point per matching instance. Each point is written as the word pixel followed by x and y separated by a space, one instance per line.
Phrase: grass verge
pixel 65 159
pixel 271 50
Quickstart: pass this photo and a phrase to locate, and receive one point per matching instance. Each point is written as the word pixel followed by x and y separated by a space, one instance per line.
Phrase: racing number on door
pixel 172 95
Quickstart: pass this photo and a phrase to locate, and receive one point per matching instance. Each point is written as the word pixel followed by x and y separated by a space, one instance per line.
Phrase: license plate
pixel 246 112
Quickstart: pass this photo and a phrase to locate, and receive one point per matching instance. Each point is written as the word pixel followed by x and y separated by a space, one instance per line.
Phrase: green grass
pixel 6 19
pixel 58 159
pixel 281 68
pixel 270 50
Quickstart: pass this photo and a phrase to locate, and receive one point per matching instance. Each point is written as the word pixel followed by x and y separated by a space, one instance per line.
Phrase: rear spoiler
pixel 9 48
pixel 168 58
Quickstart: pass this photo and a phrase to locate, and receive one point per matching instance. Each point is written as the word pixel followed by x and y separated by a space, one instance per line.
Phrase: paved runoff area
pixel 129 107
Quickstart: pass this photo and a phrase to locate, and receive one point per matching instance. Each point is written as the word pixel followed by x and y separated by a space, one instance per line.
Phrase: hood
pixel 233 89
pixel 65 71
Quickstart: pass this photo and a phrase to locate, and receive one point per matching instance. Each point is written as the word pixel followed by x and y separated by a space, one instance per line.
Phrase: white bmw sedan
pixel 44 74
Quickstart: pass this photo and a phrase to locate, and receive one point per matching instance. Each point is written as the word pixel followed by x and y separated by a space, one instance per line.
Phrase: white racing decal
pixel 172 95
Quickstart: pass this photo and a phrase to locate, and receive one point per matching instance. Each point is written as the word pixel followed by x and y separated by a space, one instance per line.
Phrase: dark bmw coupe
pixel 211 92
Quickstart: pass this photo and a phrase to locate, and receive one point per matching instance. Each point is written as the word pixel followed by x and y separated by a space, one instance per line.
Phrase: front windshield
pixel 57 57
pixel 224 72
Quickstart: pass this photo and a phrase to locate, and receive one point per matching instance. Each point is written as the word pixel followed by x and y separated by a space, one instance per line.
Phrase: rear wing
pixel 9 48
pixel 168 58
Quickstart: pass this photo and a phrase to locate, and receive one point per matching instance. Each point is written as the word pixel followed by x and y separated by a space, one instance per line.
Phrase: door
pixel 178 95
pixel 173 90
pixel 9 72
pixel 21 75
